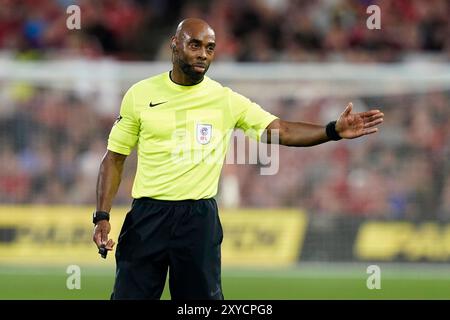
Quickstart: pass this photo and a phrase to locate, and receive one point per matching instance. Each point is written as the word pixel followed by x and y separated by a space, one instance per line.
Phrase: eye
pixel 195 45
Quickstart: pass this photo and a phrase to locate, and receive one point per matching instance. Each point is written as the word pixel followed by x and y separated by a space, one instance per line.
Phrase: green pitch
pixel 325 281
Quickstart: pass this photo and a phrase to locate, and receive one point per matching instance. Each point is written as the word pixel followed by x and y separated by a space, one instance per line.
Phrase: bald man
pixel 180 120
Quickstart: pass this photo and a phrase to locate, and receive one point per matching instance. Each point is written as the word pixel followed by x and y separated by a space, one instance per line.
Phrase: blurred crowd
pixel 401 172
pixel 253 30
pixel 52 140
pixel 52 144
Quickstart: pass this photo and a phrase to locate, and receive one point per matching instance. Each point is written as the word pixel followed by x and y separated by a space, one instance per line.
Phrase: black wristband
pixel 99 216
pixel 331 131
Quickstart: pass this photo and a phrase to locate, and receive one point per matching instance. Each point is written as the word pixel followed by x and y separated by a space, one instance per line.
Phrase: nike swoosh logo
pixel 151 105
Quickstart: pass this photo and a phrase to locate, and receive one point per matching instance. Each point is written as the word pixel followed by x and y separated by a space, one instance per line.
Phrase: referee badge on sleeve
pixel 204 132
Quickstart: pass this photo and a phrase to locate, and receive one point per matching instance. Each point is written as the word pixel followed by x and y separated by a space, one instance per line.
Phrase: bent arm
pixel 109 178
pixel 296 134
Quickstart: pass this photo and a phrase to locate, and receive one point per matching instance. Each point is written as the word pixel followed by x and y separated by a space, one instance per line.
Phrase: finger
pixel 372 123
pixel 110 244
pixel 370 113
pixel 98 238
pixel 374 117
pixel 348 109
pixel 370 131
pixel 104 236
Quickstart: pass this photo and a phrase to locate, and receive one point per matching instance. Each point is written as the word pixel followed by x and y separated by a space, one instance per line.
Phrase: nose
pixel 202 54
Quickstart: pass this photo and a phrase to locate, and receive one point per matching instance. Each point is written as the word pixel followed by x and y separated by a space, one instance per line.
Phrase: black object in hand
pixel 103 251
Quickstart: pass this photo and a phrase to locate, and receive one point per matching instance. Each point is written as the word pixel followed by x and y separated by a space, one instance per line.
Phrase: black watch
pixel 99 216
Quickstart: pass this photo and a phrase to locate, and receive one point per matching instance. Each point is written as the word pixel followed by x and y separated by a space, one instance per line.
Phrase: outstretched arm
pixel 304 134
pixel 108 183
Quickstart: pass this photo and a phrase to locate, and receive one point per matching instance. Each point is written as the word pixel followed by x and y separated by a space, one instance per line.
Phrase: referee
pixel 173 224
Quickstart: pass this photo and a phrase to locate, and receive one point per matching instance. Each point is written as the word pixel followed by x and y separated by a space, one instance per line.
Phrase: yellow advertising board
pixel 262 237
pixel 50 235
pixel 63 235
pixel 392 240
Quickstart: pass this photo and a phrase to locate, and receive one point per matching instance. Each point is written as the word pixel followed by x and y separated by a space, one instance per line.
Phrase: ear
pixel 173 44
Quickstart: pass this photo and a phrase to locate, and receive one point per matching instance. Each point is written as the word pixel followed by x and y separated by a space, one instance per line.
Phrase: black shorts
pixel 182 236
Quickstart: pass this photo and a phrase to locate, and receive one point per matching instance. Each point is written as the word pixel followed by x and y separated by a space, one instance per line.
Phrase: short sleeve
pixel 250 117
pixel 124 133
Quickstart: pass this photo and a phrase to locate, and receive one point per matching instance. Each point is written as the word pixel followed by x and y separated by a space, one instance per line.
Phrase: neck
pixel 181 78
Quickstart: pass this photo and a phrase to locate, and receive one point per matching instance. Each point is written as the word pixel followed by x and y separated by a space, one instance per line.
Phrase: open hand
pixel 354 125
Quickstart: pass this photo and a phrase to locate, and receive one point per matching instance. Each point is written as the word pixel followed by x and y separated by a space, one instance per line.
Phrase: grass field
pixel 322 281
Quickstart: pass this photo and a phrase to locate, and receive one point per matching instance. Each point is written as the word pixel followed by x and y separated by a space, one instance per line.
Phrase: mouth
pixel 199 67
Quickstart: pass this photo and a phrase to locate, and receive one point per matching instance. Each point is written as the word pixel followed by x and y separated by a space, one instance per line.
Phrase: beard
pixel 189 70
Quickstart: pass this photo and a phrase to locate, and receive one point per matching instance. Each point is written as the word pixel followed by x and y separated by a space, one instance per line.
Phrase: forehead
pixel 203 34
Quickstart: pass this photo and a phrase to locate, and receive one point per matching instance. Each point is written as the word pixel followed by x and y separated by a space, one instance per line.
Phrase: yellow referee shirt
pixel 182 134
